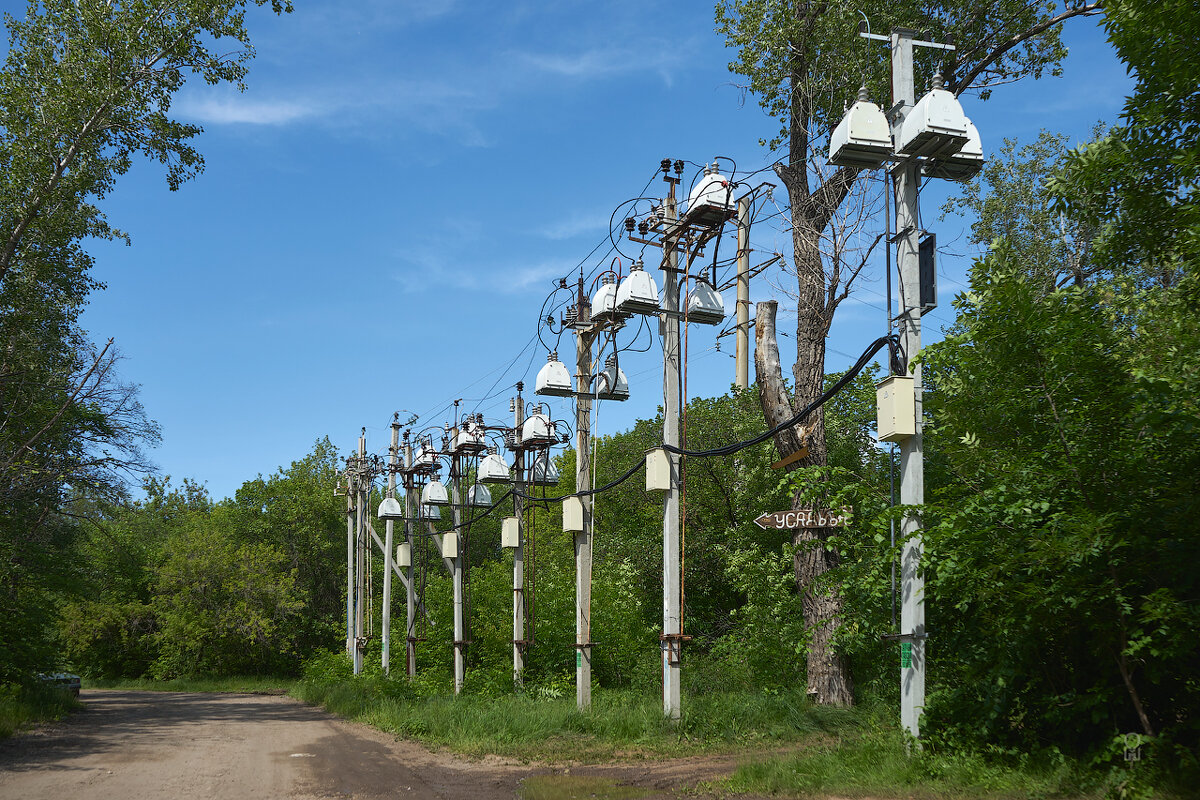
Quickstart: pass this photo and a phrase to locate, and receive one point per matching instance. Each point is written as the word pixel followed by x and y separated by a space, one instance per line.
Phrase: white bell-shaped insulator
pixel 553 378
pixel 638 293
pixel 434 494
pixel 963 165
pixel 862 139
pixel 705 305
pixel 543 473
pixel 390 508
pixel 538 431
pixel 604 302
pixel 612 384
pixel 470 439
pixel 431 512
pixel 936 127
pixel 478 495
pixel 492 469
pixel 426 459
pixel 711 201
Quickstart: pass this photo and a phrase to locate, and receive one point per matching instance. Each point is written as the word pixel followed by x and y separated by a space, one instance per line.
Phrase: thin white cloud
pixel 601 62
pixel 531 276
pixel 431 269
pixel 574 225
pixel 237 110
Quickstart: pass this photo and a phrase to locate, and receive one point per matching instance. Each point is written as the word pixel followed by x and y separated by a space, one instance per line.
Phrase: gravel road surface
pixel 150 745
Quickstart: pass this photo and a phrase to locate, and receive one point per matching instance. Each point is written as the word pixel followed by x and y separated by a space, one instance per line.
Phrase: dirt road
pixel 150 745
pixel 183 746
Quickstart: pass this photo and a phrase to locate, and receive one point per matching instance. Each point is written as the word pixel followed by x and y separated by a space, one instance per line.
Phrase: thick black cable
pixel 895 354
pixel 629 473
pixel 892 342
pixel 479 516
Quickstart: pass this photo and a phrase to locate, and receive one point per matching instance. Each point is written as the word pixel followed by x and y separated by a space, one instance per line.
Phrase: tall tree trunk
pixel 828 674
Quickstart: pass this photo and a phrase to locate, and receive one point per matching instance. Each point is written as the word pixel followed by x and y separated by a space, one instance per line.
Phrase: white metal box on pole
pixel 895 399
pixel 658 470
pixel 573 515
pixel 510 533
pixel 404 555
pixel 450 545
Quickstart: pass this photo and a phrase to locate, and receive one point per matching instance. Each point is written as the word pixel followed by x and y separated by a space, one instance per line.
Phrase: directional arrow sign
pixel 804 518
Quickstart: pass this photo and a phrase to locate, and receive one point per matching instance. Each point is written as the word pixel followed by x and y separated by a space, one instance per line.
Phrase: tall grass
pixel 249 684
pixel 23 706
pixel 534 726
pixel 881 761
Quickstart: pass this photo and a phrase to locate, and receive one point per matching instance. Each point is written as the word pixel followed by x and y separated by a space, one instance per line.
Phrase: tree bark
pixel 828 674
pixel 819 291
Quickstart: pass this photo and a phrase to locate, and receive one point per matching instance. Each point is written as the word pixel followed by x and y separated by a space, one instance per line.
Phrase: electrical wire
pixel 896 356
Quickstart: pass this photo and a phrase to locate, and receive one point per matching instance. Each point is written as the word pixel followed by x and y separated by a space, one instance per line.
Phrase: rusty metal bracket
pixel 674 645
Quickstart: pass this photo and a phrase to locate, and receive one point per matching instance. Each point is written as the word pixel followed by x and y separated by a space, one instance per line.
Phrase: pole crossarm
pixel 397 571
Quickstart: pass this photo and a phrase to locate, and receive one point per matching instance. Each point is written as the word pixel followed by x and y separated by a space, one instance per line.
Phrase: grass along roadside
pixel 879 763
pixel 25 706
pixel 786 746
pixel 252 684
pixel 621 724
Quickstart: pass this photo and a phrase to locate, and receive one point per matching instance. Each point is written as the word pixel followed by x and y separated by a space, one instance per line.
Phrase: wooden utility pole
pixel 584 338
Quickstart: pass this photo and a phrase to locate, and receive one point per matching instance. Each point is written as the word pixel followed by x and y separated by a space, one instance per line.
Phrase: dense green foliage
pixel 1060 532
pixel 85 90
pixel 1139 182
pixel 1064 534
pixel 180 586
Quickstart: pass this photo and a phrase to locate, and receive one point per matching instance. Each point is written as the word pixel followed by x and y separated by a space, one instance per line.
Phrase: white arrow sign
pixel 804 518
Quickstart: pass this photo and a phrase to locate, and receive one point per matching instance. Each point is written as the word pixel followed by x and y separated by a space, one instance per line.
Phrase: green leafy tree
pixel 1137 184
pixel 107 623
pixel 295 511
pixel 803 60
pixel 85 89
pixel 1009 201
pixel 223 606
pixel 1058 555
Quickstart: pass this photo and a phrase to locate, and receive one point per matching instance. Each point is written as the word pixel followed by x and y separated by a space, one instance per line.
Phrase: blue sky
pixel 386 207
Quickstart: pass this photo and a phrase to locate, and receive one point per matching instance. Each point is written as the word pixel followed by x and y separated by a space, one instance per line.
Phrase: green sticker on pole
pixel 906 655
pixel 578 659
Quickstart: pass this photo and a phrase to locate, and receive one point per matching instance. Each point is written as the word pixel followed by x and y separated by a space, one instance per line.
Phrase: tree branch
pixel 961 86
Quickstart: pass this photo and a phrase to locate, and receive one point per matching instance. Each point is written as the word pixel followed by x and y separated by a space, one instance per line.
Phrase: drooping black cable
pixel 891 342
pixel 481 514
pixel 629 473
pixel 895 353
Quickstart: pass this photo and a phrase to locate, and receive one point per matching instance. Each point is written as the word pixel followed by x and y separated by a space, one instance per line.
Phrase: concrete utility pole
pixel 584 337
pixel 672 635
pixel 742 360
pixel 519 550
pixel 349 561
pixel 457 562
pixel 410 611
pixel 912 467
pixel 360 582
pixel 389 525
